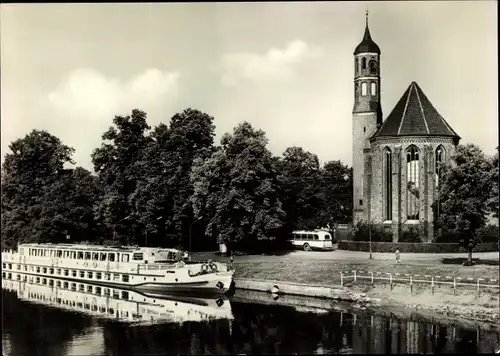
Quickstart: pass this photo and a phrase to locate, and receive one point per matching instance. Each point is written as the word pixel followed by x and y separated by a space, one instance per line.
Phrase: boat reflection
pixel 126 306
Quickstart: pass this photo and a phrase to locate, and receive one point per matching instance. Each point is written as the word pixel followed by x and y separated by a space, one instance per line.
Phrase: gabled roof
pixel 414 115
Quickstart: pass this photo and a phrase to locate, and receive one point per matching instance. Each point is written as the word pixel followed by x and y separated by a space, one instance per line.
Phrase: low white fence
pixel 407 279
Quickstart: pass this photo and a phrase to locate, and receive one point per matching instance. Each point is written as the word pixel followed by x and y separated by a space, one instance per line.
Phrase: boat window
pixel 58 271
pixel 45 253
pixel 89 289
pixel 106 292
pixel 66 272
pixel 137 256
pixel 108 277
pixel 124 257
pixel 90 275
pixel 125 278
pixel 59 253
pixel 87 255
pixel 124 295
pixel 111 257
pixel 97 290
pixel 95 256
pixel 73 273
pixel 82 274
pixel 98 275
pixel 80 255
pixel 103 256
pixel 81 287
pixel 73 255
pixel 65 285
pixel 51 270
pixel 73 286
pixel 116 294
pixel 44 269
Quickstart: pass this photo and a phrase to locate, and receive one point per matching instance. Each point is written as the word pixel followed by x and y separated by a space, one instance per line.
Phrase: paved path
pixel 339 255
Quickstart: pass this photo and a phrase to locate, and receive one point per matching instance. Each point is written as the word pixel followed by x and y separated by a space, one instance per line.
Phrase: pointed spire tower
pixel 366 118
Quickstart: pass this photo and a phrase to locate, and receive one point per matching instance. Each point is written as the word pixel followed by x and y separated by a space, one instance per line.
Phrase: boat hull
pixel 219 283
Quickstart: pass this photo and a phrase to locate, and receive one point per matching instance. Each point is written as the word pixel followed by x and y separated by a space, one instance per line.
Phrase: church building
pixel 395 161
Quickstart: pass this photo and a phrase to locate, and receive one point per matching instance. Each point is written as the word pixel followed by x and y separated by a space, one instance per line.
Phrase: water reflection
pixel 60 321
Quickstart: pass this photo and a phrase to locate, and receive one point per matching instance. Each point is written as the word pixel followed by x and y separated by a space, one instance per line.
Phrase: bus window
pixel 103 256
pixel 95 256
pixel 80 255
pixel 87 255
pixel 124 257
pixel 310 237
pixel 316 237
pixel 111 257
pixel 327 236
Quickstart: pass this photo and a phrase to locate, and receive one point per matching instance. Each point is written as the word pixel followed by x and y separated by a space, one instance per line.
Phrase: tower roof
pixel 367 45
pixel 414 115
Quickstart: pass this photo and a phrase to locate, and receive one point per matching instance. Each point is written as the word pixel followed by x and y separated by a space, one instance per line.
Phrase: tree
pixel 336 187
pixel 162 197
pixel 493 199
pixel 301 188
pixel 464 190
pixel 236 189
pixel 41 200
pixel 114 163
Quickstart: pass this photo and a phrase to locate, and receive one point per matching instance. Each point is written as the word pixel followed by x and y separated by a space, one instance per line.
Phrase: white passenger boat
pixel 141 268
pixel 122 305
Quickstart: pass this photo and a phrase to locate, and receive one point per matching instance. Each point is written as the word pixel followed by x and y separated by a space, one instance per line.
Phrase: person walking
pixel 398 258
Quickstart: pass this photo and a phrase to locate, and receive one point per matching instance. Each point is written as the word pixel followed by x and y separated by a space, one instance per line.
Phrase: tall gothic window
pixel 387 180
pixel 363 63
pixel 412 183
pixel 439 159
pixel 373 88
pixel 373 66
pixel 356 66
pixel 364 89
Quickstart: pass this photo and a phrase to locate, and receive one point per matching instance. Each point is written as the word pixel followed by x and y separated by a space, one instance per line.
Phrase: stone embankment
pixel 373 298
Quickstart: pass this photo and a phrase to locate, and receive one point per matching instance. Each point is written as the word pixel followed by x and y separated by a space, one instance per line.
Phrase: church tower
pixel 366 118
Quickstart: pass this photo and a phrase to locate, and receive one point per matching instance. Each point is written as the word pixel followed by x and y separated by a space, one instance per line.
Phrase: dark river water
pixel 50 317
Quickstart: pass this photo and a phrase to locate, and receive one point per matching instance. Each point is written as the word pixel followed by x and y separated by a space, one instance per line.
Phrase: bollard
pixel 432 284
pixel 341 279
pixel 478 287
pixel 372 277
pixel 411 285
pixel 354 276
pixel 390 279
pixel 454 286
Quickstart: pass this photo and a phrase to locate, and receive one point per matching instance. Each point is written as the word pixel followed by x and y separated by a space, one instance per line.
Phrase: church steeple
pixel 367 45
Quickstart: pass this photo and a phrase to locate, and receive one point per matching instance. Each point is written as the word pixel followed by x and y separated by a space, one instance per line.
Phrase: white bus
pixel 311 240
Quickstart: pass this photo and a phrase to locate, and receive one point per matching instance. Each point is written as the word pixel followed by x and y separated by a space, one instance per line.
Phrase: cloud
pixel 90 92
pixel 275 63
pixel 83 105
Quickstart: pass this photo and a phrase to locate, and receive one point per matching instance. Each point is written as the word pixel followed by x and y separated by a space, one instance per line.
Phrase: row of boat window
pixel 74 273
pixel 81 255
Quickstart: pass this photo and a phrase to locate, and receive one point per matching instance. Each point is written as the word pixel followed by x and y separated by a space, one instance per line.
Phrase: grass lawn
pixel 324 272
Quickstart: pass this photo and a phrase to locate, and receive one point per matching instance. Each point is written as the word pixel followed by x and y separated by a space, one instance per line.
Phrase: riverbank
pixel 401 300
pixel 461 301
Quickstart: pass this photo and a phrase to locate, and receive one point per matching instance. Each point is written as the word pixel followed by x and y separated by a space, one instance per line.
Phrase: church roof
pixel 414 115
pixel 367 45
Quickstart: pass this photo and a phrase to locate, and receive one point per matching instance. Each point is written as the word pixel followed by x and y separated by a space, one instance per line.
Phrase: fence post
pixel 390 279
pixel 411 284
pixel 354 276
pixel 341 279
pixel 432 284
pixel 372 277
pixel 454 285
pixel 478 287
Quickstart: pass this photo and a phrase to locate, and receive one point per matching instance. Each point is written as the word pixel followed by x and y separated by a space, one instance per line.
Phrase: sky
pixel 287 68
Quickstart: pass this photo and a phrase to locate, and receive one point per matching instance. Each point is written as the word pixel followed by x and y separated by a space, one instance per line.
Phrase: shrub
pixel 405 247
pixel 411 233
pixel 489 233
pixel 379 232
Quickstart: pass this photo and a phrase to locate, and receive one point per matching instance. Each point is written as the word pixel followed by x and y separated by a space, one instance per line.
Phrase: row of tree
pixel 158 186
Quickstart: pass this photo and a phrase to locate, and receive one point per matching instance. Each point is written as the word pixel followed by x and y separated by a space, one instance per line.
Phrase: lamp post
pixel 190 227
pixel 114 225
pixel 146 242
pixel 370 237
